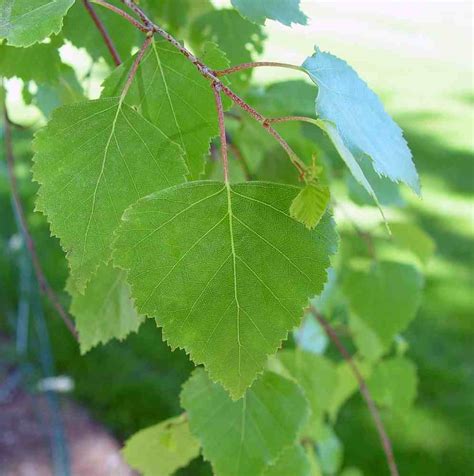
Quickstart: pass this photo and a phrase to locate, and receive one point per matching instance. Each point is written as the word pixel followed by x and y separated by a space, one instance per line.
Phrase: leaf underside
pixel 284 11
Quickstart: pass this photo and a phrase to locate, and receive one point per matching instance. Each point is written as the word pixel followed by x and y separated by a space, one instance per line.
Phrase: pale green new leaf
pixel 173 95
pixel 163 448
pixel 225 270
pixel 105 311
pixel 365 128
pixel 393 384
pixel 284 11
pixel 316 375
pixel 385 297
pixel 24 22
pixel 292 461
pixel 310 204
pixel 241 437
pixel 92 161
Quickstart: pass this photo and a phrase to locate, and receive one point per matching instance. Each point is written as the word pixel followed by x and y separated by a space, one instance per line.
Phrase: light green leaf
pixel 172 94
pixel 163 448
pixel 105 311
pixel 240 40
pixel 393 384
pixel 25 22
pixel 386 297
pixel 413 238
pixel 39 63
pixel 292 461
pixel 345 101
pixel 284 11
pixel 367 341
pixel 80 30
pixel 310 204
pixel 241 437
pixel 93 160
pixel 212 263
pixel 316 375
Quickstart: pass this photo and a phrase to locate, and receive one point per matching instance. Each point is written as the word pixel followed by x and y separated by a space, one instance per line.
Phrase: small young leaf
pixel 105 311
pixel 284 11
pixel 242 437
pixel 393 384
pixel 310 204
pixel 385 297
pixel 92 161
pixel 292 461
pixel 212 263
pixel 345 101
pixel 172 94
pixel 24 22
pixel 163 448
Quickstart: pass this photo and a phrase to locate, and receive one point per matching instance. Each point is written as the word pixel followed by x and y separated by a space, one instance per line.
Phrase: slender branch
pixel 276 120
pixel 255 64
pixel 223 138
pixel 30 244
pixel 123 14
pixel 136 63
pixel 103 31
pixel 212 77
pixel 384 438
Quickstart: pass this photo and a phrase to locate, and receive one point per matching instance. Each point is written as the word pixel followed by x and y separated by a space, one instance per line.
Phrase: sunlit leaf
pixel 284 11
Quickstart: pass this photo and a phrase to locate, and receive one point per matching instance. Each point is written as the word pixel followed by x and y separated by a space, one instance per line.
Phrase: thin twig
pixel 104 33
pixel 30 244
pixel 384 438
pixel 276 120
pixel 136 63
pixel 255 64
pixel 222 134
pixel 123 14
pixel 210 75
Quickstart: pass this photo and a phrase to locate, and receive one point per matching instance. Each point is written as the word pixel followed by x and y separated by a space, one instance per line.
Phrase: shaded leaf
pixel 163 448
pixel 92 160
pixel 105 311
pixel 244 436
pixel 212 275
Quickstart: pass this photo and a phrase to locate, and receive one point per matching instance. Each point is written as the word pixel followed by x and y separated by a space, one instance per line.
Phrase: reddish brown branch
pixel 384 438
pixel 222 134
pixel 104 33
pixel 42 281
pixel 123 14
pixel 255 64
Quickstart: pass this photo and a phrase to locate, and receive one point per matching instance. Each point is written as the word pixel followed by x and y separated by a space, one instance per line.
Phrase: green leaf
pixel 92 161
pixel 163 448
pixel 345 101
pixel 284 11
pixel 367 341
pixel 39 63
pixel 316 375
pixel 105 311
pixel 25 22
pixel 241 437
pixel 393 384
pixel 80 30
pixel 173 95
pixel 310 204
pixel 413 238
pixel 292 460
pixel 240 40
pixel 386 297
pixel 212 263
pixel 330 451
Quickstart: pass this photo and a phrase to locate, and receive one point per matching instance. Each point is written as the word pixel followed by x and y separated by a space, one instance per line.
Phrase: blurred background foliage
pixel 418 57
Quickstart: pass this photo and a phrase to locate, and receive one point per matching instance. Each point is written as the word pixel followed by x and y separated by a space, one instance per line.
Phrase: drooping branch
pixel 43 283
pixel 364 390
pixel 104 33
pixel 148 26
